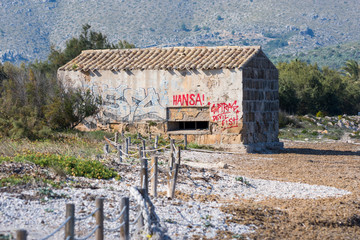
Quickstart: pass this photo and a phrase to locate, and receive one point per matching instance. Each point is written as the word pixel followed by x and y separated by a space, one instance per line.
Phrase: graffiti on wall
pixel 189 99
pixel 226 113
pixel 127 104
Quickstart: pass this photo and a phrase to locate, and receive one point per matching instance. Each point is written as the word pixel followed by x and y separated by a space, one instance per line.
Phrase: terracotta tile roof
pixel 175 58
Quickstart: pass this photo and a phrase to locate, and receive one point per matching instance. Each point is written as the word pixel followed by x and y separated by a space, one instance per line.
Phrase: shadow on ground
pixel 309 151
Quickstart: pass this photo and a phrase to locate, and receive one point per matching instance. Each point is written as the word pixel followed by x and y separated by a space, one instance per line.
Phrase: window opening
pixel 187 125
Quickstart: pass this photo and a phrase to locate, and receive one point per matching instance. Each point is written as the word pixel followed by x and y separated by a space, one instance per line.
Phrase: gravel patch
pixel 196 212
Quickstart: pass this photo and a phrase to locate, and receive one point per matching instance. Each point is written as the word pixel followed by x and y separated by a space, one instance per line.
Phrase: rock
pixel 222 165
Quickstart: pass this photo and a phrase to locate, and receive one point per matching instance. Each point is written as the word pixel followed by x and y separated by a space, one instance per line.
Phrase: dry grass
pixel 65 144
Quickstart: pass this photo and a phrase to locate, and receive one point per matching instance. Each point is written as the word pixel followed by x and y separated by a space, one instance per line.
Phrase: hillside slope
pixel 28 27
pixel 332 56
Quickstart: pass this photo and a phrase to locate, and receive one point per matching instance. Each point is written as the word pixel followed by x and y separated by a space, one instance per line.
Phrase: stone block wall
pixel 260 102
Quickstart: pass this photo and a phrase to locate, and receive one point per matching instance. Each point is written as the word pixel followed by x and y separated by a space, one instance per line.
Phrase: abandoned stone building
pixel 225 96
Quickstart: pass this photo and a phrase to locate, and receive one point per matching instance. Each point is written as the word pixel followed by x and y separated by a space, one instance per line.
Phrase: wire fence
pixel 144 219
pixel 149 152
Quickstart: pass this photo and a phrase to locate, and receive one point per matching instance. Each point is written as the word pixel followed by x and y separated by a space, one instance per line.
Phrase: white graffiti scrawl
pixel 126 104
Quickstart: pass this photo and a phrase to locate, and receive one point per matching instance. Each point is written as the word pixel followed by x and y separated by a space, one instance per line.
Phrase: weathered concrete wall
pixel 260 103
pixel 241 105
pixel 136 97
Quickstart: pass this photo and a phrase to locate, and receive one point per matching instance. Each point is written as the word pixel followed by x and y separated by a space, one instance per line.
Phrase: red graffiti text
pixel 189 99
pixel 226 113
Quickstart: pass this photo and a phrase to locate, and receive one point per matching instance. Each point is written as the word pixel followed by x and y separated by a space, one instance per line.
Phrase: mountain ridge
pixel 28 28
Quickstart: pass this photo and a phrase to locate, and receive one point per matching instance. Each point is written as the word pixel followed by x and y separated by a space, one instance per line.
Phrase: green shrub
pixel 314 133
pixel 97 135
pixel 15 180
pixel 198 146
pixel 320 114
pixel 33 104
pixel 24 179
pixel 152 123
pixel 71 165
pixel 285 120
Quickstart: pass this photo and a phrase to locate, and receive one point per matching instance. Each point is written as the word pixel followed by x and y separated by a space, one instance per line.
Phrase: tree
pixel 305 81
pixel 306 89
pixel 122 44
pixel 88 39
pixel 352 69
pixel 69 108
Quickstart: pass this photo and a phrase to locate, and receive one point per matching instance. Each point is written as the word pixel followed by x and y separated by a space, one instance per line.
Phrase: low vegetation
pixel 311 128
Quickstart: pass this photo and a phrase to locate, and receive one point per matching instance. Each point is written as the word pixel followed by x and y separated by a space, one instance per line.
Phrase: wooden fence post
pixel 125 230
pixel 120 152
pixel 178 155
pixel 70 225
pixel 169 179
pixel 172 150
pixel 140 223
pixel 138 136
pixel 144 148
pixel 140 152
pixel 185 141
pixel 154 174
pixel 156 144
pixel 116 137
pixel 99 216
pixel 129 139
pixel 126 145
pixel 21 234
pixel 144 175
pixel 106 149
pixel 173 183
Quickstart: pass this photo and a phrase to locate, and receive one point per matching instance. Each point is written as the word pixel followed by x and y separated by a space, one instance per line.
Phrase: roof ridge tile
pixel 180 58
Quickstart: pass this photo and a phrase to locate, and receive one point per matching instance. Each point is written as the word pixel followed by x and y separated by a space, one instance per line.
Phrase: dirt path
pixel 331 164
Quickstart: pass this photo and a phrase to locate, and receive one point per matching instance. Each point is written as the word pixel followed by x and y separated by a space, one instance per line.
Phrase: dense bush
pixel 304 89
pixel 33 102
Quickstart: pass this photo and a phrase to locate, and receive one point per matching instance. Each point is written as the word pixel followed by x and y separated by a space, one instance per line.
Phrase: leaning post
pixel 154 176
